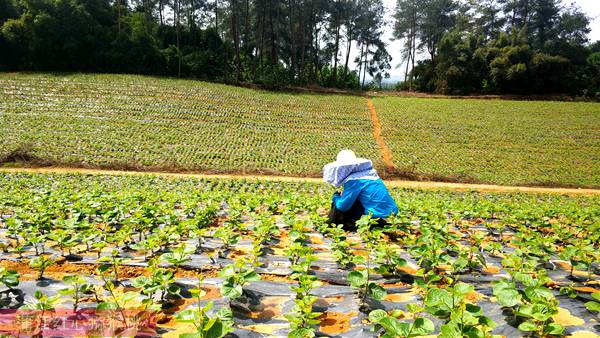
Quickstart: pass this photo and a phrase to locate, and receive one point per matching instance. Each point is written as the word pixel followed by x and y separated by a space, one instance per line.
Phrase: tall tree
pixel 406 22
pixel 438 18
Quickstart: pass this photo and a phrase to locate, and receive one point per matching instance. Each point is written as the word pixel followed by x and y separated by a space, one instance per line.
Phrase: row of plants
pixel 503 142
pixel 167 222
pixel 120 121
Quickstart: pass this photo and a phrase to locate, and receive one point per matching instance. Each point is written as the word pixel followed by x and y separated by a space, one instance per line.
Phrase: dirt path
pixel 385 151
pixel 390 183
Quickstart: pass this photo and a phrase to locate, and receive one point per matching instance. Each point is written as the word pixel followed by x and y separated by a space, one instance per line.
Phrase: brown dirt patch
pixel 586 289
pixel 385 151
pixel 490 269
pixel 565 318
pixel 269 308
pixel 275 278
pixel 59 270
pixel 394 183
pixel 400 297
pixel 334 323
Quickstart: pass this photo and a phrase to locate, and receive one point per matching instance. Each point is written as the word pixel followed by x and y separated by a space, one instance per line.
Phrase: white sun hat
pixel 348 167
pixel 346 156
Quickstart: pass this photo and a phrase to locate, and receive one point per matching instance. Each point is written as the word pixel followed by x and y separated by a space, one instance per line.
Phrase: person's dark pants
pixel 348 218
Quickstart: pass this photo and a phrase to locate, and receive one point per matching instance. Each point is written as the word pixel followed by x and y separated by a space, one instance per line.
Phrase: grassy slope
pixel 134 121
pixel 124 121
pixel 506 142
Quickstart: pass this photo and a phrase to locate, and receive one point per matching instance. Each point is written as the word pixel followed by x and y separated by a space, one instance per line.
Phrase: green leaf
pixel 596 296
pixel 462 289
pixel 538 294
pixel 216 330
pixel 422 326
pixel 450 330
pixel 376 315
pixel 231 292
pixel 527 326
pixel 554 329
pixel 190 335
pixel 251 276
pixel 592 306
pixel 376 291
pixel 474 332
pixel 106 306
pixel 507 294
pixel 394 326
pixel 358 279
pixel 301 333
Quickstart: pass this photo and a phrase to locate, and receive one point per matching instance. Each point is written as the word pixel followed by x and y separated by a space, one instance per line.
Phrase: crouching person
pixel 364 192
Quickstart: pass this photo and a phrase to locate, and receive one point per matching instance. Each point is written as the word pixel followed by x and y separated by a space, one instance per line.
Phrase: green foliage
pixel 462 318
pixel 10 278
pixel 179 255
pixel 236 276
pixel 394 328
pixel 594 306
pixel 533 305
pixel 457 129
pixel 160 281
pixel 79 287
pixel 215 326
pixel 41 263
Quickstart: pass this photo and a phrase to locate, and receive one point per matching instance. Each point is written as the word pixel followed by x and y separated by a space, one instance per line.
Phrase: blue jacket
pixel 372 194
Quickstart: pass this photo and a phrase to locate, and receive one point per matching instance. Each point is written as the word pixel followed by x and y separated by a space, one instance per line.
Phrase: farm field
pixel 169 257
pixel 505 142
pixel 148 123
pixel 124 121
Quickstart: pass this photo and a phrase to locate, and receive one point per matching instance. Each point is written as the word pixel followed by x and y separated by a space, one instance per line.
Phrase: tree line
pixel 449 46
pixel 269 42
pixel 497 46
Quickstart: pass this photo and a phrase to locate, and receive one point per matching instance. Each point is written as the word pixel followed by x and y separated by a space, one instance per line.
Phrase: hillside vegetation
pixel 136 122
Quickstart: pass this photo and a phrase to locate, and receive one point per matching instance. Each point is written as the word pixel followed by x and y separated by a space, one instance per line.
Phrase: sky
pixel 590 7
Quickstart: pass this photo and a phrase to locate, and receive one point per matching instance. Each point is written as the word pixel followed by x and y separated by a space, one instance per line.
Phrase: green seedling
pixel 99 246
pixel 359 279
pixel 79 287
pixel 341 247
pixel 63 239
pixel 533 306
pixel 111 264
pixel 37 310
pixel 236 276
pixel 161 281
pixel 389 258
pixel 37 241
pixel 41 263
pixel 206 326
pixel 394 328
pixel 179 256
pixel 126 309
pixel 228 236
pixel 296 251
pixel 462 319
pixel 303 320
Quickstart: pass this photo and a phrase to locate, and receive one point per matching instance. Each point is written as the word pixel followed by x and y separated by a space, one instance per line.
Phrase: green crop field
pixel 134 121
pixel 506 142
pixel 171 257
pixel 137 122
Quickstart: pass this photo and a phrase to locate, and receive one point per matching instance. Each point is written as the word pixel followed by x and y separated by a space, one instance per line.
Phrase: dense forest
pixel 450 46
